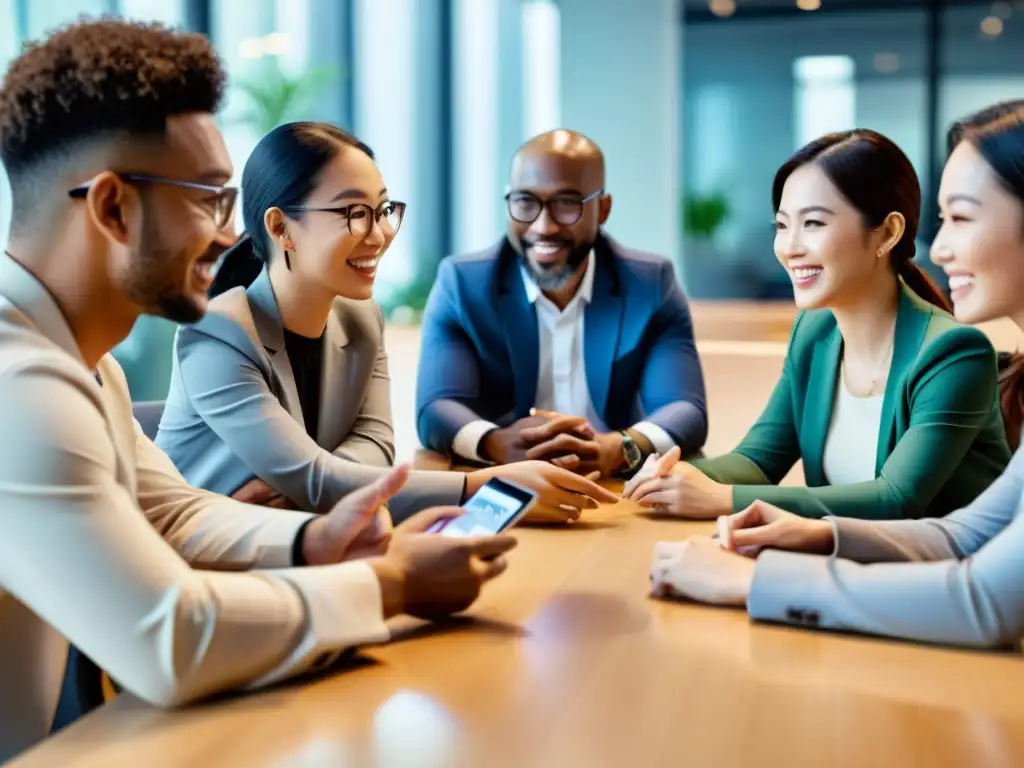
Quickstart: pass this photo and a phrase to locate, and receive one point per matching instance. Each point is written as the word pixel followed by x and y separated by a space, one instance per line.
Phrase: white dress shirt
pixel 852 442
pixel 561 374
pixel 102 541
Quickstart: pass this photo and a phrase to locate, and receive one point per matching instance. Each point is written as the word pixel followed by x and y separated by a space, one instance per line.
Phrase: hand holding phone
pixel 496 507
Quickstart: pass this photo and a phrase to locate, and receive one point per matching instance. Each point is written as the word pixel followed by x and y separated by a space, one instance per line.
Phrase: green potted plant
pixel 704 214
pixel 276 97
pixel 709 273
pixel 405 304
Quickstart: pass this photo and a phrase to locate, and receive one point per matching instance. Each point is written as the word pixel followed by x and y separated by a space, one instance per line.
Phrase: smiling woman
pixel 888 401
pixel 955 580
pixel 281 394
pixel 292 300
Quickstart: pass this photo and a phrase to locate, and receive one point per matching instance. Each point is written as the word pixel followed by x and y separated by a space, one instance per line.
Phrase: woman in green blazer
pixel 891 404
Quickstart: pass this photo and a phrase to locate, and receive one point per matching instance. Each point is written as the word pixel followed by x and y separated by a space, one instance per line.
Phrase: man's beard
pixel 157 279
pixel 559 275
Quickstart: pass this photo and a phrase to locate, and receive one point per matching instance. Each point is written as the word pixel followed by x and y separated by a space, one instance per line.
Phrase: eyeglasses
pixel 220 203
pixel 360 216
pixel 526 207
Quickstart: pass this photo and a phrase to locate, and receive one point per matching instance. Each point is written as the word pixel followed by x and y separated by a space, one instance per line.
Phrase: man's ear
pixel 111 203
pixel 604 208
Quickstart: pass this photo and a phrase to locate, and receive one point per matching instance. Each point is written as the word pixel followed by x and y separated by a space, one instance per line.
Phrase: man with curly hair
pixel 118 172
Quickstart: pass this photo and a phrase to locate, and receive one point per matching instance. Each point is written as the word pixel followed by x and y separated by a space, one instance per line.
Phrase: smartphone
pixel 496 507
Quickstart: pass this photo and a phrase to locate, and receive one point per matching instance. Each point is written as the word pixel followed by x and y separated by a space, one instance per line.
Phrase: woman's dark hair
pixel 282 171
pixel 874 175
pixel 997 132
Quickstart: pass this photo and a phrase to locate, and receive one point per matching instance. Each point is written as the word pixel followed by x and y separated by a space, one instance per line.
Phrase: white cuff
pixel 660 439
pixel 467 440
pixel 343 609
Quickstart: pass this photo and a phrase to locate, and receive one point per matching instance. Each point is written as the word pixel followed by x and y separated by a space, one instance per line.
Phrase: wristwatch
pixel 630 453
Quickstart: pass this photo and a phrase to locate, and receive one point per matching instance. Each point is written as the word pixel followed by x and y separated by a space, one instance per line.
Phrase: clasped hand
pixel 569 442
pixel 678 489
pixel 711 570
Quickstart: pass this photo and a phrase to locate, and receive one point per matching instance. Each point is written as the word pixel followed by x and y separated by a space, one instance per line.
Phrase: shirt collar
pixel 584 293
pixel 23 289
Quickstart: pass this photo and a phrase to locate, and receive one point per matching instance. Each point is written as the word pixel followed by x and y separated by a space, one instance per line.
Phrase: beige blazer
pixel 233 411
pixel 101 539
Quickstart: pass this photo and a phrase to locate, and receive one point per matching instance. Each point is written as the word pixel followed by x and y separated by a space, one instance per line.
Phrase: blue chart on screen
pixel 486 513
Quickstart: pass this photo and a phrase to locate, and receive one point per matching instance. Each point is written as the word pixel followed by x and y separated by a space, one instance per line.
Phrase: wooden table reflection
pixel 565 661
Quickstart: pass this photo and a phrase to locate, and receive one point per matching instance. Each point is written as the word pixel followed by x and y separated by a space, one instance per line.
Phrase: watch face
pixel 631 451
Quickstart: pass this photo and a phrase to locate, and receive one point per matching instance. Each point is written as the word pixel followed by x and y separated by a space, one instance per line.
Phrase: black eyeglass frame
pixel 227 193
pixel 346 211
pixel 547 204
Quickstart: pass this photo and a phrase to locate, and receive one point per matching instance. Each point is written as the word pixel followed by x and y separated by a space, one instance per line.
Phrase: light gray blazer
pixel 233 412
pixel 956 580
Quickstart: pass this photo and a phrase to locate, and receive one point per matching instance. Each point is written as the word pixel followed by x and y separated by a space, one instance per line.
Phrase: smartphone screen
pixel 494 508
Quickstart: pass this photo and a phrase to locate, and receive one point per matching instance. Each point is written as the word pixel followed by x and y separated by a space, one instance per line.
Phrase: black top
pixel 307 358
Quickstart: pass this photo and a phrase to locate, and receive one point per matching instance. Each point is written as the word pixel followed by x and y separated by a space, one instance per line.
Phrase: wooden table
pixel 566 662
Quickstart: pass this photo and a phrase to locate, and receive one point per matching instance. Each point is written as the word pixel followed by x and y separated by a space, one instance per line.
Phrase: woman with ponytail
pixel 956 580
pixel 890 403
pixel 280 394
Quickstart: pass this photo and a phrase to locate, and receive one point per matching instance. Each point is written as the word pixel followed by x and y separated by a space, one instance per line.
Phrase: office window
pixel 169 12
pixel 755 89
pixel 8 46
pixel 385 115
pixel 475 122
pixel 43 17
pixel 541 66
pixel 824 96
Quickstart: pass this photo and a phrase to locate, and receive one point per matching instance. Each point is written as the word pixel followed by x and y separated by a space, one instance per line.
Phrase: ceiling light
pixel 992 26
pixel 722 8
pixel 808 5
pixel 887 63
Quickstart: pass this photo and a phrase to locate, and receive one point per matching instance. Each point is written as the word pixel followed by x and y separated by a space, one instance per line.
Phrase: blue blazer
pixel 480 347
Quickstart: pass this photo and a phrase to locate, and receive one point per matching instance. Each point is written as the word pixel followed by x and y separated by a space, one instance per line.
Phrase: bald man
pixel 558 343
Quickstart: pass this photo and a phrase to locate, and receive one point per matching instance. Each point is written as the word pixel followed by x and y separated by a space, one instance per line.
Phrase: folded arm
pixel 448 383
pixel 233 398
pixel 117 591
pixel 672 386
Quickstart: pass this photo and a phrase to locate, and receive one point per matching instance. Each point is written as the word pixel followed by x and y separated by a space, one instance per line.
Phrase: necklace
pixel 881 369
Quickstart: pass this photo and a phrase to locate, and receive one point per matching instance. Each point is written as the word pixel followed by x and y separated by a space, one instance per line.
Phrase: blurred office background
pixel 695 102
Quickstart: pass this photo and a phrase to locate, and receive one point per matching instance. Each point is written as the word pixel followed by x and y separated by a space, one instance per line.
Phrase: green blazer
pixel 941 441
